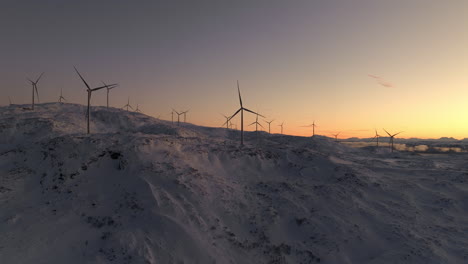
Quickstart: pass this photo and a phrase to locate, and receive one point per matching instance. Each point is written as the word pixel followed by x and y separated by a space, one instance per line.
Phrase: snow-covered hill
pixel 141 190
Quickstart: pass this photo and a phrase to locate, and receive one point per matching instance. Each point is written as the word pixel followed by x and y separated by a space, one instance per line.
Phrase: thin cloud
pixel 381 81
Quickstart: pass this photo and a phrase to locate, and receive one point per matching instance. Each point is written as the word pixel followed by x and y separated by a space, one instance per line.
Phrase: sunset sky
pixel 351 66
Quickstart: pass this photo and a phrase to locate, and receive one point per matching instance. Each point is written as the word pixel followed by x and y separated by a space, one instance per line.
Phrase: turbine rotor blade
pixel 40 76
pixel 387 132
pixel 37 93
pixel 101 87
pixel 82 78
pixel 235 114
pixel 238 90
pixel 253 112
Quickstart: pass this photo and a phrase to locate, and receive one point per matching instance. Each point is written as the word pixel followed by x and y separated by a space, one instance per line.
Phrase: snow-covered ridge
pixel 140 190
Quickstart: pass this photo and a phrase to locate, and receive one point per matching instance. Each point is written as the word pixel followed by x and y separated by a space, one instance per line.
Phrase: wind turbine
pixel 392 137
pixel 128 104
pixel 90 91
pixel 269 123
pixel 256 124
pixel 336 136
pixel 313 125
pixel 241 110
pixel 9 100
pixel 108 90
pixel 281 127
pixel 172 116
pixel 34 87
pixel 227 121
pixel 137 109
pixel 376 137
pixel 185 112
pixel 178 116
pixel 61 97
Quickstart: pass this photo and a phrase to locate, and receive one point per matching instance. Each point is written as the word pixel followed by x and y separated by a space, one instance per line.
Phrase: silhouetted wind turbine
pixel 9 100
pixel 108 90
pixel 227 121
pixel 336 136
pixel 137 109
pixel 61 97
pixel 185 113
pixel 256 124
pixel 281 127
pixel 392 137
pixel 313 125
pixel 178 116
pixel 172 116
pixel 34 87
pixel 90 91
pixel 269 123
pixel 128 104
pixel 376 137
pixel 241 110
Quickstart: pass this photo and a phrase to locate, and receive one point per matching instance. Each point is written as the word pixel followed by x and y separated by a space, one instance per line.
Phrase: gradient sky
pixel 296 61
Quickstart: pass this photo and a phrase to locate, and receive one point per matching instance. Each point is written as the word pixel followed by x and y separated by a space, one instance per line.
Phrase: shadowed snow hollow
pixel 140 190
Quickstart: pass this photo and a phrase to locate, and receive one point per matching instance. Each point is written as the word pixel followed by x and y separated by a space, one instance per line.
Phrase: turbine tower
pixel 34 88
pixel 392 137
pixel 269 123
pixel 376 137
pixel 281 127
pixel 61 97
pixel 90 91
pixel 241 110
pixel 137 109
pixel 128 104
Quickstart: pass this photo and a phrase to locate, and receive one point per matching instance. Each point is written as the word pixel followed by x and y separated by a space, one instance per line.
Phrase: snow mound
pixel 140 190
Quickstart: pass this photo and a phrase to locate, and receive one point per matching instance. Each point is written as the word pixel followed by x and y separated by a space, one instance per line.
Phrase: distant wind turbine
pixel 9 100
pixel 108 90
pixel 137 109
pixel 61 97
pixel 178 116
pixel 392 137
pixel 227 121
pixel 269 123
pixel 256 124
pixel 281 127
pixel 313 125
pixel 376 137
pixel 336 136
pixel 90 91
pixel 128 105
pixel 241 110
pixel 185 113
pixel 34 88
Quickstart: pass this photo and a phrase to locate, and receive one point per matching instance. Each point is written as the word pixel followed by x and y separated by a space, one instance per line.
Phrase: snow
pixel 142 190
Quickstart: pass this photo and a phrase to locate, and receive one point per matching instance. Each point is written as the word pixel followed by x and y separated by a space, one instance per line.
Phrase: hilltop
pixel 142 190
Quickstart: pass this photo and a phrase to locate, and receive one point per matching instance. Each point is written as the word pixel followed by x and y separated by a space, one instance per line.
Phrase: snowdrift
pixel 141 190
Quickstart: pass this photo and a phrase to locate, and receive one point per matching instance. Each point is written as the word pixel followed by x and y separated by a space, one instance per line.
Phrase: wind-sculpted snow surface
pixel 140 190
